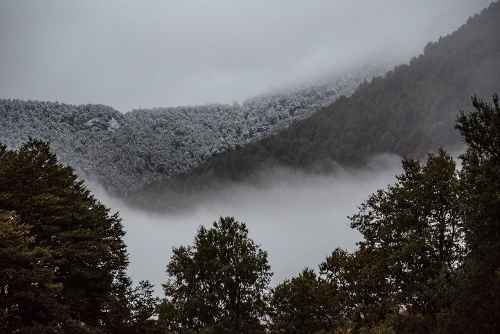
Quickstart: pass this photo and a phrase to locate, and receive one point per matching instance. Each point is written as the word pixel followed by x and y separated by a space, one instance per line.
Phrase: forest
pixel 429 256
pixel 429 261
pixel 409 111
pixel 123 152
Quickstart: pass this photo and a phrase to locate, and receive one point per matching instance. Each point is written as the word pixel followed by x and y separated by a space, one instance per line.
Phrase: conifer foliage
pixel 61 252
pixel 400 273
pixel 477 307
pixel 429 261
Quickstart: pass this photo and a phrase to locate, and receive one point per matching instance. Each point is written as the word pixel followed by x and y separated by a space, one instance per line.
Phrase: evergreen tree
pixel 63 257
pixel 478 293
pixel 401 272
pixel 27 284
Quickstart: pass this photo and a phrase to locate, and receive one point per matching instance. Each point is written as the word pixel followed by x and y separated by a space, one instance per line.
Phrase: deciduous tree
pixel 219 284
pixel 305 304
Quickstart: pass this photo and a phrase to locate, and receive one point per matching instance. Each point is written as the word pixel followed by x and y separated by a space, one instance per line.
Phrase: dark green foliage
pixel 400 273
pixel 305 304
pixel 478 293
pixel 409 112
pixel 63 258
pixel 218 285
pixel 480 129
pixel 132 310
pixel 429 261
pixel 23 263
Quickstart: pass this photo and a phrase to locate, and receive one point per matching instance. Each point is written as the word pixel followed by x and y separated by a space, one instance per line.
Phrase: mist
pixel 145 54
pixel 298 219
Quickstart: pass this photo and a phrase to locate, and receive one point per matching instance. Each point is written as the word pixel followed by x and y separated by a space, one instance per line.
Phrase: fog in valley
pixel 299 219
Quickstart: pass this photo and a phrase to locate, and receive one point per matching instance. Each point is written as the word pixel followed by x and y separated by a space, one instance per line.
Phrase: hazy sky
pixel 143 54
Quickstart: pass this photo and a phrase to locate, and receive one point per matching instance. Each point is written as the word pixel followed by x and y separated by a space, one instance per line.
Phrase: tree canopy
pixel 478 290
pixel 409 111
pixel 218 285
pixel 429 259
pixel 305 304
pixel 62 259
pixel 412 244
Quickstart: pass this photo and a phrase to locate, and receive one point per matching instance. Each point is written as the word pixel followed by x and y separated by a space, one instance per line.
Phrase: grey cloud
pixel 132 54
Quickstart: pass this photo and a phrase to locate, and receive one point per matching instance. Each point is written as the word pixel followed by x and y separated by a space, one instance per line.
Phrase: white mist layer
pixel 298 222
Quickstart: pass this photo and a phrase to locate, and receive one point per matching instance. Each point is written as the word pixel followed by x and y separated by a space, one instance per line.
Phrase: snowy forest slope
pixel 125 151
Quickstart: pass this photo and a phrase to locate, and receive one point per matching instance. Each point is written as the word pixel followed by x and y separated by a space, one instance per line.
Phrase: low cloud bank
pixel 145 54
pixel 298 219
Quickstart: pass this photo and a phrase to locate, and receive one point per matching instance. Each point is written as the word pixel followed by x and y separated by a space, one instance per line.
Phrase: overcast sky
pixel 144 54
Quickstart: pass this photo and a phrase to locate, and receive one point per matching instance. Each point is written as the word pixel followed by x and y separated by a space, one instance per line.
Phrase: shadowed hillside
pixel 409 111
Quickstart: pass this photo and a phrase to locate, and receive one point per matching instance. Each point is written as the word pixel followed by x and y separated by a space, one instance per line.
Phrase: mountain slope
pixel 125 151
pixel 409 111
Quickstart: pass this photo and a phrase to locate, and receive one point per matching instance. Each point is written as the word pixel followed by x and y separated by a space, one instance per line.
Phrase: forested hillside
pixel 125 151
pixel 428 260
pixel 409 111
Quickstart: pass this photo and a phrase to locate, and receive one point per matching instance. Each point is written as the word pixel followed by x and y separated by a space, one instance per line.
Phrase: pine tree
pixel 400 274
pixel 478 293
pixel 64 244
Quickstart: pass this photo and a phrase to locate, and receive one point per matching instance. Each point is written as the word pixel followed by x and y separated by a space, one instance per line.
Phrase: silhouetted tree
pixel 305 304
pixel 400 273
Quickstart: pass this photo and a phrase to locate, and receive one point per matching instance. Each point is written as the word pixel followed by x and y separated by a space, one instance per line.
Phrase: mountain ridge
pixel 123 151
pixel 409 111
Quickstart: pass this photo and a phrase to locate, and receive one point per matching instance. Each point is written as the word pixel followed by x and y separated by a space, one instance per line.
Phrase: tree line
pixel 429 260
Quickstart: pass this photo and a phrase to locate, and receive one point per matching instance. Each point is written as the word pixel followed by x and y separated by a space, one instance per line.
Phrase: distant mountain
pixel 409 111
pixel 126 151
